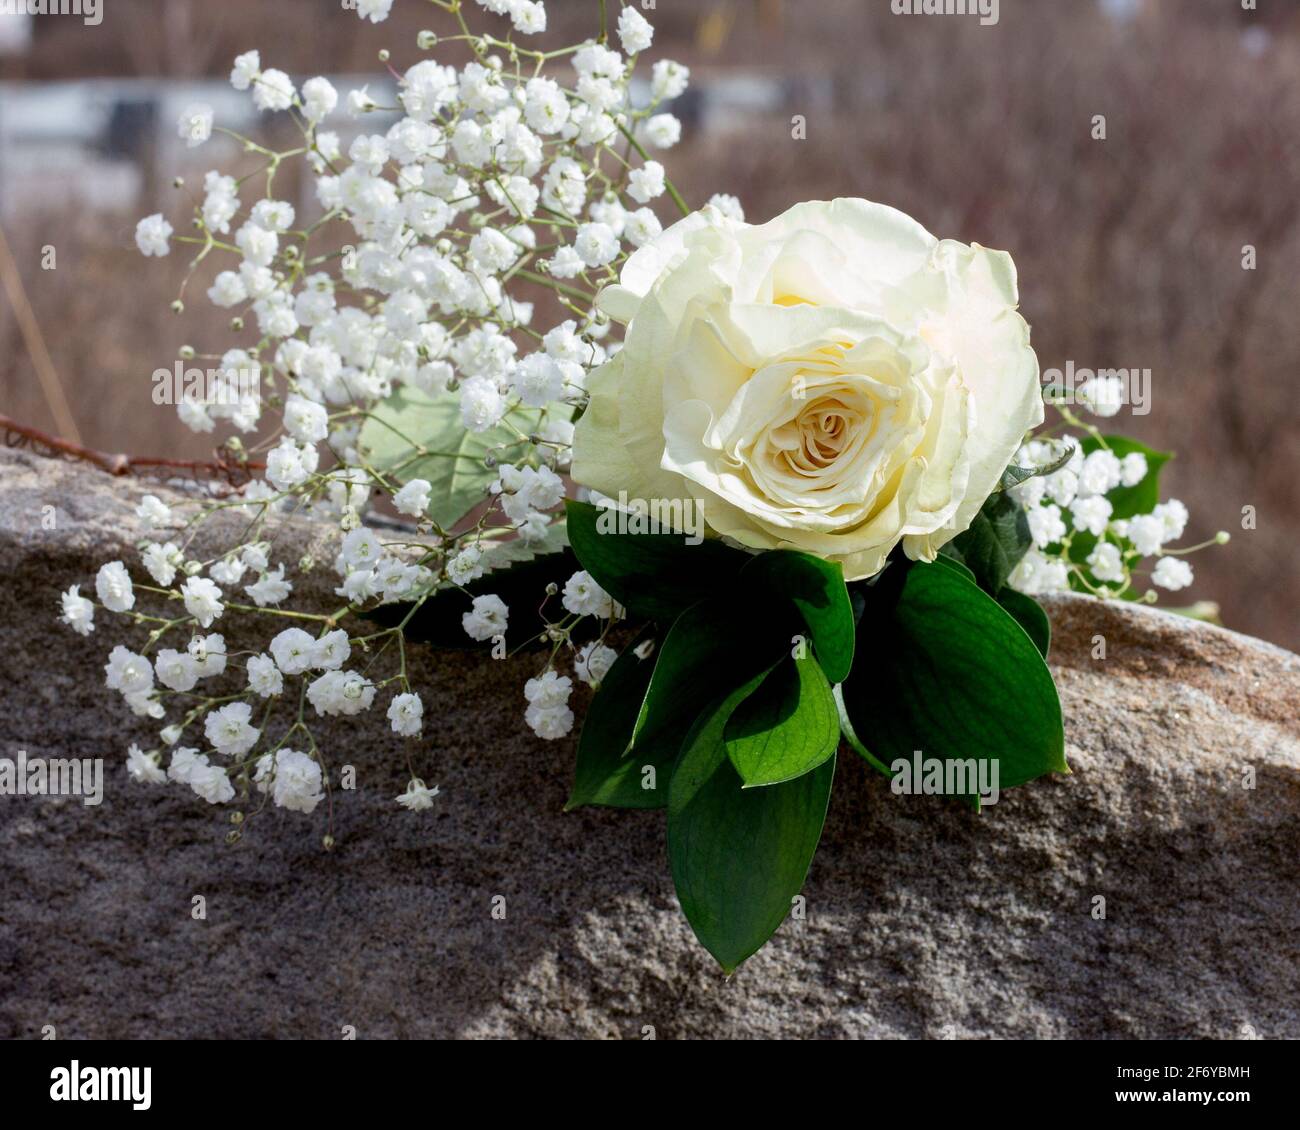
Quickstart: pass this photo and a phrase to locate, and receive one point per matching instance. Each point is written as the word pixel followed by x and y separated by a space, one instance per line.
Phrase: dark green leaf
pixel 995 542
pixel 604 775
pixel 739 856
pixel 657 576
pixel 711 648
pixel 818 591
pixel 850 735
pixel 787 727
pixel 944 669
pixel 1029 614
pixel 952 563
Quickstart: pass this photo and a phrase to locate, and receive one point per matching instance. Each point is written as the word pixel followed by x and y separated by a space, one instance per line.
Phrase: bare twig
pixel 233 471
pixel 35 341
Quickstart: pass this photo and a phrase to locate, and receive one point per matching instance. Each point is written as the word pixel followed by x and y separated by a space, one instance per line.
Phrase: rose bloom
pixel 835 381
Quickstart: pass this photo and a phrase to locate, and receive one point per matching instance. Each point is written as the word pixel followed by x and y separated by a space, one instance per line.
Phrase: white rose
pixel 835 381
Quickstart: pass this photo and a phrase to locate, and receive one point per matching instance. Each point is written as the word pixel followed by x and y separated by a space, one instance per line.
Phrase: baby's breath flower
pixel 376 11
pixel 202 600
pixel 229 731
pixel 418 797
pixel 406 713
pixel 583 597
pixel 78 612
pixel 264 677
pixel 273 90
pixel 143 768
pixel 593 661
pixel 246 68
pixel 152 235
pixel 488 617
pixel 293 779
pixel 294 651
pixel 634 31
pixel 1172 573
pixel 113 587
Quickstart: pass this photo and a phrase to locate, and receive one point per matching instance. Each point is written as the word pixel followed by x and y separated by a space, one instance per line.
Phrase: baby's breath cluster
pixel 448 215
pixel 1080 543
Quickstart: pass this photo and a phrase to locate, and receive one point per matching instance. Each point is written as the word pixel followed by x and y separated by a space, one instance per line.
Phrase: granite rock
pixel 922 919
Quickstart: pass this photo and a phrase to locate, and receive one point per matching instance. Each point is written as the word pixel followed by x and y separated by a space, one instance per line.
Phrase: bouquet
pixel 781 493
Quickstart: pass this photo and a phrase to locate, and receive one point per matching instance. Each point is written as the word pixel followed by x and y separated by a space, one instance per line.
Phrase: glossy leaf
pixel 787 727
pixel 817 589
pixel 713 647
pixel 739 856
pixel 995 542
pixel 604 774
pixel 946 670
pixel 1029 614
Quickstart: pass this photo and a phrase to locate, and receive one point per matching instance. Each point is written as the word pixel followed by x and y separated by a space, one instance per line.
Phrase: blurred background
pixel 1130 249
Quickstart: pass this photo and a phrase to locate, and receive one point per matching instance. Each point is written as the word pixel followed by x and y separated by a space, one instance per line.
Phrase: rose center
pixel 818 436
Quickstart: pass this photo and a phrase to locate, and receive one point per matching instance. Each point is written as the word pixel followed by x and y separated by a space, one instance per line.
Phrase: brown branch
pixel 34 339
pixel 22 435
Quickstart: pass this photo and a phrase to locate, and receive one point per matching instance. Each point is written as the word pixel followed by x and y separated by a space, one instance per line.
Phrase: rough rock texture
pixel 923 920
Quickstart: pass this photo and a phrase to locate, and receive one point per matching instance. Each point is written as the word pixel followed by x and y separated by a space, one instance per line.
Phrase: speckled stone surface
pixel 923 920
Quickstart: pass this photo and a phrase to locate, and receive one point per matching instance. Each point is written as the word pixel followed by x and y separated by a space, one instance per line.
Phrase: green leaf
pixel 712 647
pixel 850 735
pixel 739 856
pixel 1029 614
pixel 604 775
pixel 414 436
pixel 818 591
pixel 944 669
pixel 995 542
pixel 657 576
pixel 786 728
pixel 952 563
